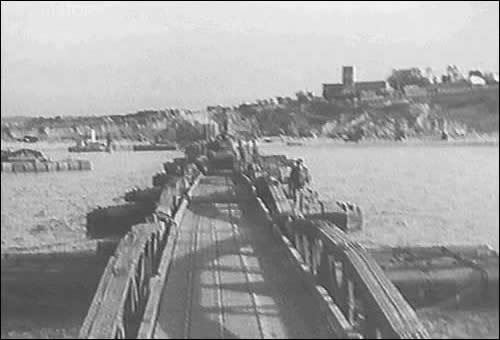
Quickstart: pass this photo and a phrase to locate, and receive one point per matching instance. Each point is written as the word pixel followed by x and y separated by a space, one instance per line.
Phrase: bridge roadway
pixel 229 277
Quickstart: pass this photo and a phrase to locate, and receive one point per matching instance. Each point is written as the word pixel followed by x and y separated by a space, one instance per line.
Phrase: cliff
pixel 169 125
pixel 467 110
pixel 471 110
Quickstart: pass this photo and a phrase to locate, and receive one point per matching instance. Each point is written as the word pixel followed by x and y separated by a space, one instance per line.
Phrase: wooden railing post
pixel 298 241
pixel 362 294
pixel 338 274
pixel 306 251
pixel 324 275
pixel 349 303
pixel 371 330
pixel 117 309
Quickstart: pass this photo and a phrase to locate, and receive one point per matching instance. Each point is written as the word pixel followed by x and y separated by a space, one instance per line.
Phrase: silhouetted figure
pixel 299 177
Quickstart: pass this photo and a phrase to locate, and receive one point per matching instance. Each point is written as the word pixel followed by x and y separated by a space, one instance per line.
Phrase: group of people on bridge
pixel 247 159
pixel 299 179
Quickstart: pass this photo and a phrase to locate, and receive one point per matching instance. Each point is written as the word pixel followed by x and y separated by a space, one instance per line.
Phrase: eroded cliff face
pixel 170 125
pixel 458 113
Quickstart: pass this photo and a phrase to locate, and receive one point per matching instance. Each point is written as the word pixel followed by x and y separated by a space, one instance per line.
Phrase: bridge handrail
pixel 120 300
pixel 116 309
pixel 148 323
pixel 336 323
pixel 352 278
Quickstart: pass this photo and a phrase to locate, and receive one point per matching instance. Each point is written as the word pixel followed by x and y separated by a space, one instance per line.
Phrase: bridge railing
pixel 361 302
pixel 150 315
pixel 118 304
pixel 355 282
pixel 118 307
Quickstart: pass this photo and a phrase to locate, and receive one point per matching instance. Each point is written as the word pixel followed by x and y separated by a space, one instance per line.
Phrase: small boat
pixel 88 147
pixel 294 143
pixel 154 147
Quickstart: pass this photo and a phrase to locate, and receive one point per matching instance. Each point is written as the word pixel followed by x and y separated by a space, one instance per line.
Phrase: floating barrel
pixel 160 179
pixel 41 167
pixel 116 220
pixel 18 167
pixel 29 167
pixel 62 166
pixel 492 286
pixel 36 166
pixel 148 195
pixel 427 276
pixel 73 164
pixel 434 285
pixel 85 165
pixel 6 167
pixel 106 248
pixel 51 166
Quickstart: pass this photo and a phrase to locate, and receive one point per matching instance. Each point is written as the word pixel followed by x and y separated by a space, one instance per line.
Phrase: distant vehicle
pixel 268 140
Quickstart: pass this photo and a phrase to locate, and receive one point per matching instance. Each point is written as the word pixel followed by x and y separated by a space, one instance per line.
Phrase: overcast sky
pixel 109 58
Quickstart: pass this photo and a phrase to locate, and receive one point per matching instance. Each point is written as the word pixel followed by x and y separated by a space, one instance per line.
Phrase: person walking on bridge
pixel 299 178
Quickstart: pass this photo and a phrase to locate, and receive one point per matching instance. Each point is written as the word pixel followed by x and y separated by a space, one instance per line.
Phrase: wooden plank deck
pixel 229 277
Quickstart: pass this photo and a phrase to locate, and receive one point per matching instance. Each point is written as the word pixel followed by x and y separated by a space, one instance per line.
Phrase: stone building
pixel 350 88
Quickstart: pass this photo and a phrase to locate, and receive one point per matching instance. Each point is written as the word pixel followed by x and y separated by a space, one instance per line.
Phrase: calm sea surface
pixel 410 194
pixel 416 194
pixel 40 210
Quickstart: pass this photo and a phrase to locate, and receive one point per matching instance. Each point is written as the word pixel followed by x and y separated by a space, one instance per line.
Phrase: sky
pixel 95 58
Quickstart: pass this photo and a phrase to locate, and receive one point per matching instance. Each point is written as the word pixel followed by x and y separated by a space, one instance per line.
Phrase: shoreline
pixel 486 140
pixel 472 139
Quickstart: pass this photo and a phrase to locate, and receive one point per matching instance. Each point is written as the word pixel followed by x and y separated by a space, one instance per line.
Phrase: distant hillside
pixel 467 110
pixel 478 110
pixel 464 110
pixel 170 124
